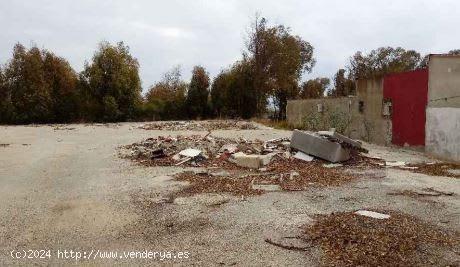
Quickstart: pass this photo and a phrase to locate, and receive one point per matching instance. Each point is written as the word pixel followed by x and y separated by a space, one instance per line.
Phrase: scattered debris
pixel 437 169
pixel 426 192
pixel 200 125
pixel 372 214
pixel 348 239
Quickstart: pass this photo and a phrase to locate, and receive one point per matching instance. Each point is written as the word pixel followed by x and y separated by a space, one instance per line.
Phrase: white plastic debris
pixel 190 152
pixel 372 214
pixel 303 156
pixel 395 163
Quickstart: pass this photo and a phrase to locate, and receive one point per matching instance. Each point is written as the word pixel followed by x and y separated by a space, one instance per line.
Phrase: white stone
pixel 190 152
pixel 395 163
pixel 372 214
pixel 303 156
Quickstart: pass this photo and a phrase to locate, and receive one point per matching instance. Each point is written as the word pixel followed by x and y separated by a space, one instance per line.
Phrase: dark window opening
pixel 361 107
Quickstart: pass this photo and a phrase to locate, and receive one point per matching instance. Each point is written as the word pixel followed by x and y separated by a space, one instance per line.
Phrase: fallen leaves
pixel 348 239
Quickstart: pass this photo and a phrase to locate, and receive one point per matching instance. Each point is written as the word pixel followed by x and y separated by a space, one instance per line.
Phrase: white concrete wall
pixel 443 133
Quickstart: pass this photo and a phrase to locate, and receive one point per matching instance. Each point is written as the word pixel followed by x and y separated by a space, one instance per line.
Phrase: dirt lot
pixel 65 187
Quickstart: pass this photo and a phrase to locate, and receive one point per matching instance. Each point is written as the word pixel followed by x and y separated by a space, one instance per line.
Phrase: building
pixel 443 108
pixel 415 108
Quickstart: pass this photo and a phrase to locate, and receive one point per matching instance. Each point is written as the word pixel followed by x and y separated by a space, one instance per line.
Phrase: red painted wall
pixel 408 92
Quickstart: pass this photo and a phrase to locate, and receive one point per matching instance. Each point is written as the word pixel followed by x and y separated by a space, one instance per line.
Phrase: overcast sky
pixel 211 33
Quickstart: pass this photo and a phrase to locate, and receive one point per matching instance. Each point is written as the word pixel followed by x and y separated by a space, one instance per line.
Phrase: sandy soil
pixel 68 189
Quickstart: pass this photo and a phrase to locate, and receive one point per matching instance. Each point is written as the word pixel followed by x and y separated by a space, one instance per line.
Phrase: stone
pixel 318 146
pixel 266 159
pixel 246 161
pixel 372 214
pixel 230 148
pixel 303 156
pixel 190 152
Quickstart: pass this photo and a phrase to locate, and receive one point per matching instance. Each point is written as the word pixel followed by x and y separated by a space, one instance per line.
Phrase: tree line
pixel 37 86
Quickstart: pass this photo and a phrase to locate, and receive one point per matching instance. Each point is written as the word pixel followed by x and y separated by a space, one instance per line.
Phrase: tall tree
pixel 233 93
pixel 279 59
pixel 381 61
pixel 343 86
pixel 197 95
pixel 166 98
pixel 62 80
pixel 112 83
pixel 39 87
pixel 314 88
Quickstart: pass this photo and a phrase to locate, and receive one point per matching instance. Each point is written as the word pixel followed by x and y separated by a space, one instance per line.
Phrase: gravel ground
pixel 66 188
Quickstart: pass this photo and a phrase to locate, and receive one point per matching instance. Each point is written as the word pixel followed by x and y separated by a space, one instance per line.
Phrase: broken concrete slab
pixel 246 161
pixel 302 156
pixel 372 214
pixel 251 161
pixel 341 138
pixel 318 146
pixel 265 159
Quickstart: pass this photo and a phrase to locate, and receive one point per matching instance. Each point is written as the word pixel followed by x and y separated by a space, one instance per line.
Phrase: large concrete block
pixel 318 146
pixel 342 138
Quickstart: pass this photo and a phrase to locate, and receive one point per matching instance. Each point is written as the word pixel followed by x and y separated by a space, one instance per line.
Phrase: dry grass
pixel 347 239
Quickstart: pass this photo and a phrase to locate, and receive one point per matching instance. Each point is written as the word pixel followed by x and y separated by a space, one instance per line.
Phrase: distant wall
pixel 375 127
pixel 344 113
pixel 336 113
pixel 443 133
pixel 444 81
pixel 443 109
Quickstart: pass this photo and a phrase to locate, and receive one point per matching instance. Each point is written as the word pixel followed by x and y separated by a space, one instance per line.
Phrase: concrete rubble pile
pixel 327 145
pixel 198 151
pixel 200 125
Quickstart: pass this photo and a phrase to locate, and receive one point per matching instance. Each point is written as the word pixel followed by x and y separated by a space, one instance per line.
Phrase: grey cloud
pixel 162 34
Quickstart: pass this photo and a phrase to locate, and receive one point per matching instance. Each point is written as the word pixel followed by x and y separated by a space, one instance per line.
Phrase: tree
pixel 342 86
pixel 233 93
pixel 279 59
pixel 112 83
pixel 6 106
pixel 38 87
pixel 314 88
pixel 381 61
pixel 62 80
pixel 166 98
pixel 197 95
